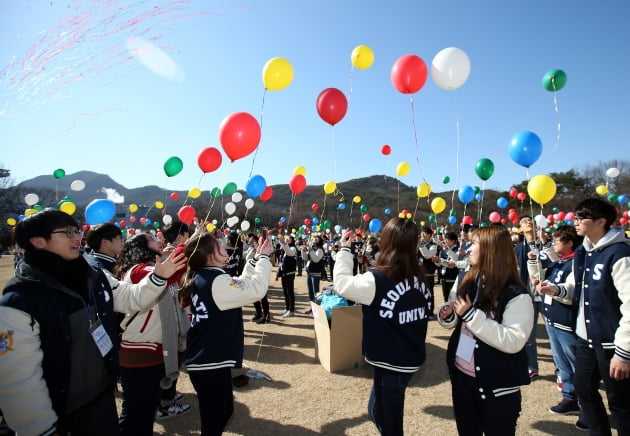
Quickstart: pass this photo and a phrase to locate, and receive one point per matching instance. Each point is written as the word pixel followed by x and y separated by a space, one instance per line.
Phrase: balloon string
pixel 555 103
pixel 291 210
pixel 483 190
pixel 334 154
pixel 262 111
pixel 458 144
pixel 415 136
pixel 398 197
pixel 350 85
pixel 415 211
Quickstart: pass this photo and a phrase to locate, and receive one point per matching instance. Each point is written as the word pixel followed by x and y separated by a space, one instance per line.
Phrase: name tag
pixel 548 300
pixel 101 338
pixel 465 348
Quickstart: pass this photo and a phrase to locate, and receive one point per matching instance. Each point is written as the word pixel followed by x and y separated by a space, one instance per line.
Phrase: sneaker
pixel 565 407
pixel 580 424
pixel 533 375
pixel 176 409
pixel 287 314
pixel 178 397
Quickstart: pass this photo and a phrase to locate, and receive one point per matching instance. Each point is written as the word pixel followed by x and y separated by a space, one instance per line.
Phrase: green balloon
pixel 173 166
pixel 257 220
pixel 431 218
pixel 554 80
pixel 555 210
pixel 59 173
pixel 483 225
pixel 215 192
pixel 364 208
pixel 484 168
pixel 446 179
pixel 38 207
pixel 230 188
pixel 453 212
pixel 327 224
pixel 612 198
pixel 477 189
pixel 156 225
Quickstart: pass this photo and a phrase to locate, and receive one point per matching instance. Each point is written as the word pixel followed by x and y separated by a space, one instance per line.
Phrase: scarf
pixel 70 273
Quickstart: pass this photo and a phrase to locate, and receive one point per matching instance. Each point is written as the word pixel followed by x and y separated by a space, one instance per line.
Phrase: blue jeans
pixel 591 366
pixel 141 397
pixel 530 347
pixel 312 282
pixel 386 405
pixel 563 345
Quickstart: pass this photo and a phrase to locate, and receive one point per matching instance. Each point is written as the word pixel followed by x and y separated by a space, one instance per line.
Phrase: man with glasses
pixel 58 360
pixel 601 303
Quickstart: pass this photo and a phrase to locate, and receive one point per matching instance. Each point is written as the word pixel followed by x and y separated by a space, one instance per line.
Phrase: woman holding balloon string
pixel 314 268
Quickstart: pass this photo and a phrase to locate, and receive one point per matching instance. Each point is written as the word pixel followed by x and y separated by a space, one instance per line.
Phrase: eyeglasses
pixel 579 219
pixel 70 233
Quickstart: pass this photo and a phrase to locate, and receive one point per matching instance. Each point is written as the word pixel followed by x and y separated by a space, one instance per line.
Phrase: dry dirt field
pixel 304 399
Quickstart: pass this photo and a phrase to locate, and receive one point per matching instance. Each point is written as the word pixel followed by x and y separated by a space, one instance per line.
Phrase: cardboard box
pixel 338 347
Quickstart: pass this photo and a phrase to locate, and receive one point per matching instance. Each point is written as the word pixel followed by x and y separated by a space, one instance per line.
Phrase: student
pixel 59 311
pixel 492 318
pixel 262 307
pixel 106 243
pixel 216 337
pixel 601 306
pixel 286 272
pixel 428 250
pixel 396 305
pixel 314 268
pixel 448 258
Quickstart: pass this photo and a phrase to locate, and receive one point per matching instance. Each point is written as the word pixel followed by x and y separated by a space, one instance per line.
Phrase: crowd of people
pixel 96 314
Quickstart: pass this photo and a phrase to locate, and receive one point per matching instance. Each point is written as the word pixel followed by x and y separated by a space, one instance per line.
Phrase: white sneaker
pixel 176 409
pixel 287 314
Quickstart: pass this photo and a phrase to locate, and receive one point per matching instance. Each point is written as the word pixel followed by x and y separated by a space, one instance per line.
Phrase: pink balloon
pixel 495 217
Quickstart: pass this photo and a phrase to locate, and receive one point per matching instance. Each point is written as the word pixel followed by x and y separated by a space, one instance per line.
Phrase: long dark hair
pixel 495 268
pixel 135 251
pixel 398 257
pixel 197 249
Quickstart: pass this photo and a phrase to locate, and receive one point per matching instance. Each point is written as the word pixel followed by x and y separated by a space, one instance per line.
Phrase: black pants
pixel 216 399
pixel 430 278
pixel 262 307
pixel 141 397
pixel 288 288
pixel 98 418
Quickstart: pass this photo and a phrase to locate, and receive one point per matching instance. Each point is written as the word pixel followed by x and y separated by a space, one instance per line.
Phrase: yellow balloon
pixel 11 221
pixel 541 189
pixel 68 207
pixel 330 187
pixel 210 227
pixel 300 170
pixel 29 212
pixel 362 57
pixel 401 216
pixel 277 74
pixel 402 169
pixel 601 190
pixel 194 193
pixel 422 223
pixel 438 204
pixel 159 204
pixel 423 190
pixel 356 199
pixel 133 208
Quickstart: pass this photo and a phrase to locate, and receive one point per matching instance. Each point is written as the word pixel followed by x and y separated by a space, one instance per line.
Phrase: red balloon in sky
pixel 315 206
pixel 521 196
pixel 332 105
pixel 174 195
pixel 186 214
pixel 209 159
pixel 386 149
pixel 409 74
pixel 267 193
pixel 297 183
pixel 239 135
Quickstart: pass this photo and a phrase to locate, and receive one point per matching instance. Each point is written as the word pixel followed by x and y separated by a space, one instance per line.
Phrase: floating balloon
pixel 30 211
pixel 31 199
pixel 366 217
pixel 409 74
pixel 133 208
pixel 478 196
pixel 99 211
pixel 239 134
pixel 167 219
pixel 314 207
pixel 194 192
pixel 341 206
pixel 362 57
pixel 612 172
pixel 300 170
pixel 297 183
pixel 186 214
pixel 330 187
pixel 356 199
pixel 386 150
pixel 215 192
pixel 446 179
pixel 332 105
pixel 230 188
pixel 11 221
pixel 173 166
pixel 438 204
pixel 209 159
pixel 77 185
pixel 495 217
pixel 450 68
pixel 174 195
pixel 256 186
pixel 364 208
pixel 387 211
pixel 541 221
pixel 502 202
pixel 521 196
pixel 467 219
pixel 230 208
pixel 541 189
pixel 375 225
pixel 402 169
pixel 623 198
pixel 423 190
pixel 525 148
pixel 59 173
pixel 554 80
pixel 484 168
pixel 601 189
pixel 277 74
pixel 249 203
pixel 159 204
pixel 466 194
pixel 452 219
pixel 267 193
pixel 237 197
pixel 68 207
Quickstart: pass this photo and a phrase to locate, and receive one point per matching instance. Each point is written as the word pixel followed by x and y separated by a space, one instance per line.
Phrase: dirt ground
pixel 304 399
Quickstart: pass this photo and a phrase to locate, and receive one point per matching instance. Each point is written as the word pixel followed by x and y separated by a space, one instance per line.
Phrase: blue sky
pixel 74 96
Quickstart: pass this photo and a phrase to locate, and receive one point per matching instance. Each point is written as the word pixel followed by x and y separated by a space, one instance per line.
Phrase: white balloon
pixel 612 172
pixel 450 68
pixel 231 221
pixel 541 221
pixel 214 222
pixel 245 226
pixel 236 197
pixel 31 199
pixel 230 208
pixel 249 203
pixel 77 185
pixel 167 219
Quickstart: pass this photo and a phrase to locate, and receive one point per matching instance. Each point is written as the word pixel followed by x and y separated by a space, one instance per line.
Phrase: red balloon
pixel 513 193
pixel 332 105
pixel 131 231
pixel 623 221
pixel 280 223
pixel 143 220
pixel 503 221
pixel 307 222
pixel 495 217
pixel 315 206
pixel 239 135
pixel 123 223
pixel 267 193
pixel 409 74
pixel 521 196
pixel 297 183
pixel 209 159
pixel 85 227
pixel 386 149
pixel 467 219
pixel 174 196
pixel 132 219
pixel 186 214
pixel 366 217
pixel 561 216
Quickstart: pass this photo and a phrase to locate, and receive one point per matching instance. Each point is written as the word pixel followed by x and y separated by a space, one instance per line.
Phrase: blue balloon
pixel 479 196
pixel 256 185
pixel 502 202
pixel 375 225
pixel 525 148
pixel 147 222
pixel 622 198
pixel 466 194
pixel 313 228
pixel 341 206
pixel 282 219
pixel 452 219
pixel 388 211
pixel 315 220
pixel 99 211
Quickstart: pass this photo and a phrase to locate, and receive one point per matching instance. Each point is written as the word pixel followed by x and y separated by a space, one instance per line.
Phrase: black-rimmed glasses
pixel 70 233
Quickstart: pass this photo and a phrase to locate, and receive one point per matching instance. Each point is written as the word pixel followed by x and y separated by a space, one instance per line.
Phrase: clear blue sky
pixel 73 96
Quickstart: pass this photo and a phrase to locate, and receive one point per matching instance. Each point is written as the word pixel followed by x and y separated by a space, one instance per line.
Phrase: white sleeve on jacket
pixel 621 279
pixel 429 252
pixel 316 255
pixel 289 250
pixel 360 288
pixel 232 292
pixel 511 335
pixel 25 401
pixel 131 298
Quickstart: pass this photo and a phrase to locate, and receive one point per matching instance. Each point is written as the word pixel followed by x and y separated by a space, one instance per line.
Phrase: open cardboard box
pixel 338 347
